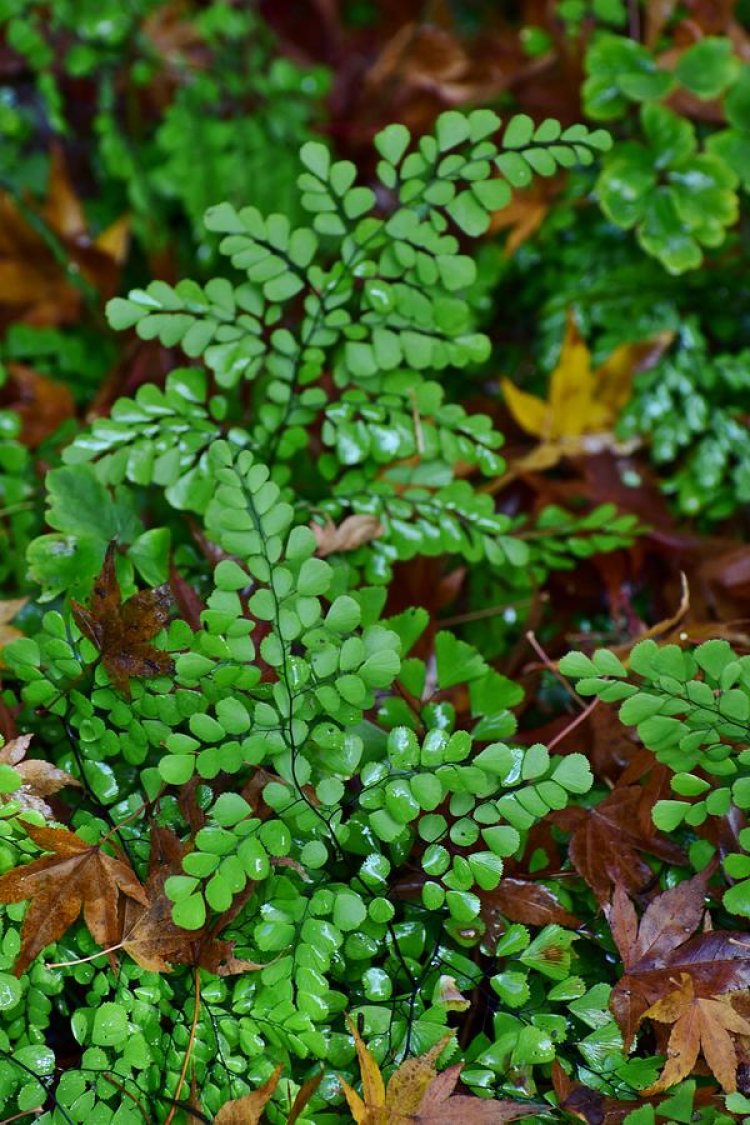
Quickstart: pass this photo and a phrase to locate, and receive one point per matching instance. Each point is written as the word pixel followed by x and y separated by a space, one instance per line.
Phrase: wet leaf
pixel 122 631
pixel 608 841
pixel 578 416
pixel 701 1025
pixel 521 900
pixel 416 1092
pixel 77 878
pixel 664 945
pixel 153 940
pixel 248 1110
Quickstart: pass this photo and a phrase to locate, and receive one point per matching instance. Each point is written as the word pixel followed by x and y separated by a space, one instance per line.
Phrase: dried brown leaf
pixel 248 1110
pixel 666 945
pixel 41 403
pixel 36 282
pixel 608 840
pixel 351 533
pixel 416 1093
pixel 701 1024
pixel 78 877
pixel 122 631
pixel 40 779
pixel 153 940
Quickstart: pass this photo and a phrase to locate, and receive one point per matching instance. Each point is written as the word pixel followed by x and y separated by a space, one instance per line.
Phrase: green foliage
pixel 322 740
pixel 691 410
pixel 303 751
pixel 678 195
pixel 692 709
pixel 230 112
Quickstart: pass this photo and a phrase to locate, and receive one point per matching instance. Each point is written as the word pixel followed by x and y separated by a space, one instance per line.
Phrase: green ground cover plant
pixel 373 471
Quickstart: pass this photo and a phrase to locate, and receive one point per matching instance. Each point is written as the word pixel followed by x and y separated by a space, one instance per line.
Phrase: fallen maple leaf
pixel 153 940
pixel 40 779
pixel 607 841
pixel 78 877
pixel 700 1025
pixel 665 944
pixel 583 405
pixel 417 1093
pixel 37 282
pixel 350 534
pixel 248 1109
pixel 121 631
pixel 525 901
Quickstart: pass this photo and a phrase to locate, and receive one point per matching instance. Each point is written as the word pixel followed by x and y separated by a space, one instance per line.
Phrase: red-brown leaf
pixel 122 631
pixel 78 877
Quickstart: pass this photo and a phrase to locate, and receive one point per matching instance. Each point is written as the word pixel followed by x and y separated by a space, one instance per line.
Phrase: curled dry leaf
pixel 77 877
pixel 39 779
pixel 450 995
pixel 122 631
pixel 350 534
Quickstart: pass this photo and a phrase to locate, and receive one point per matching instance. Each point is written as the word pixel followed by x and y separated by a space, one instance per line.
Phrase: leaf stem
pixel 189 1050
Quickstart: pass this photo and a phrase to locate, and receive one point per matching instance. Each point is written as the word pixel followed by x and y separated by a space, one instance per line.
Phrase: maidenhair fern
pixel 692 709
pixel 303 741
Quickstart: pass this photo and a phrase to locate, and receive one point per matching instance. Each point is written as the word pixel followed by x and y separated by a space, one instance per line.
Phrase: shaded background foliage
pixel 310 702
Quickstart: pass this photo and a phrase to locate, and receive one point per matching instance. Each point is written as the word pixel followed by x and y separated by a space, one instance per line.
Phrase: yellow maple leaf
pixel 701 1026
pixel 416 1093
pixel 579 414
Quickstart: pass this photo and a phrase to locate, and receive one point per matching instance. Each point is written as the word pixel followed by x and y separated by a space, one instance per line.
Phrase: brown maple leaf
pixel 525 901
pixel 608 839
pixel 350 534
pixel 701 1024
pixel 153 940
pixel 122 630
pixel 665 944
pixel 40 779
pixel 248 1110
pixel 417 1093
pixel 78 877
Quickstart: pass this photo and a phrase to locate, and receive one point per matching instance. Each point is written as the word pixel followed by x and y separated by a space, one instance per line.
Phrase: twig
pixel 123 1090
pixel 581 717
pixel 552 667
pixel 82 961
pixel 189 1050
pixel 490 611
